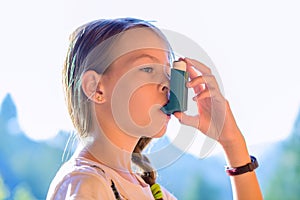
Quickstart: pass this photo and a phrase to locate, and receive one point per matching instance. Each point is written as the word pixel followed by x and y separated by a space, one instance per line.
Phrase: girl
pixel 116 80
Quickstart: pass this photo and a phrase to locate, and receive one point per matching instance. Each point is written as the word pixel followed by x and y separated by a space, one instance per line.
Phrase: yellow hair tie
pixel 156 191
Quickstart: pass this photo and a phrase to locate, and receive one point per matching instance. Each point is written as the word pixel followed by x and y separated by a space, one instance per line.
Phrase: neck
pixel 113 150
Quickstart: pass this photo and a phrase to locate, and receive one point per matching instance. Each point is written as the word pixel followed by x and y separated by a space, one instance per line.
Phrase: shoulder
pixel 80 182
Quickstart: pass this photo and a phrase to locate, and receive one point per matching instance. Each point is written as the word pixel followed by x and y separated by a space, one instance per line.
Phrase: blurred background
pixel 255 47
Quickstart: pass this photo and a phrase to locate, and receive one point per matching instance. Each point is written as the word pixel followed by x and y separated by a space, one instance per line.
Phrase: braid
pixel 142 161
pixel 149 174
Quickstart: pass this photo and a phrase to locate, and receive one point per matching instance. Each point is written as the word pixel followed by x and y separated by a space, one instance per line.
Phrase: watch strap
pixel 249 167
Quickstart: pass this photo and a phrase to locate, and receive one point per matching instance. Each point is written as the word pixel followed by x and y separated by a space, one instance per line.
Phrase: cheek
pixel 140 104
pixel 138 113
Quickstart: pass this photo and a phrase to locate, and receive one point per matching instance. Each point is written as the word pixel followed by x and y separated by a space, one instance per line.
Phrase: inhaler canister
pixel 178 90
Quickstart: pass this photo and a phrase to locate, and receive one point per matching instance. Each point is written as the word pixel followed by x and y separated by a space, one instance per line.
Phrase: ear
pixel 92 87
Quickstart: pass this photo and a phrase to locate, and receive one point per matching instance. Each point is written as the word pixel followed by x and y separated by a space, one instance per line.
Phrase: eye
pixel 147 69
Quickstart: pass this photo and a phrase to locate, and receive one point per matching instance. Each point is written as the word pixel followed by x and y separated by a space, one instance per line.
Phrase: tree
pixel 285 183
pixel 4 191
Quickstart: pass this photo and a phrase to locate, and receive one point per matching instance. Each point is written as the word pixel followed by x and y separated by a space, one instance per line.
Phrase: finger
pixel 198 84
pixel 198 65
pixel 187 119
pixel 189 67
pixel 197 87
pixel 209 93
pixel 208 80
pixel 192 72
pixel 203 95
pixel 206 94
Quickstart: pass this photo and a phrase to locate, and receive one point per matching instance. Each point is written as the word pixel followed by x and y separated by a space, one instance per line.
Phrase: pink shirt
pixel 84 179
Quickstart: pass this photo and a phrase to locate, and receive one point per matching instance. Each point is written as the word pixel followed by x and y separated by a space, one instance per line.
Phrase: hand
pixel 216 120
pixel 214 117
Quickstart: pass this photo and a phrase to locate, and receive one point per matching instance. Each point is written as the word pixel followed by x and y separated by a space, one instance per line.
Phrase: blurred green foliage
pixel 27 167
pixel 4 190
pixel 285 183
pixel 201 189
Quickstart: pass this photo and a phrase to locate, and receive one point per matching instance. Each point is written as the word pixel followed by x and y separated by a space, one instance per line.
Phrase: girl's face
pixel 136 87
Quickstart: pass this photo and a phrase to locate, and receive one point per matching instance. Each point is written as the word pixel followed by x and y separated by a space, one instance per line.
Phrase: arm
pixel 216 120
pixel 244 186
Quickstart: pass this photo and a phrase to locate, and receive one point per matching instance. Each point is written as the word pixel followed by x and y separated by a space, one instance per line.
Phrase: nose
pixel 164 87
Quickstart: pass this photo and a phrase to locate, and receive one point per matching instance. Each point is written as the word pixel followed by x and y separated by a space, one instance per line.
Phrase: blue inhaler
pixel 178 90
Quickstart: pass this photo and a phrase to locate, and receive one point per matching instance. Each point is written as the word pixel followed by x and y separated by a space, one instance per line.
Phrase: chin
pixel 160 133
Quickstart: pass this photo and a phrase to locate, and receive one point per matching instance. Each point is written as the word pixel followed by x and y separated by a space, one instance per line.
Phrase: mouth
pixel 166 103
pixel 169 115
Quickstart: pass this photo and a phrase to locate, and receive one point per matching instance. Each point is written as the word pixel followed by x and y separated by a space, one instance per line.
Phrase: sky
pixel 255 47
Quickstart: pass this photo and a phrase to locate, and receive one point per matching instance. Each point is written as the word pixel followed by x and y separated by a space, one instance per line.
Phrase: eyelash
pixel 146 69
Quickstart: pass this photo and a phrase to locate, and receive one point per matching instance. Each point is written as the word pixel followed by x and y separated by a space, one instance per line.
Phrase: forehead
pixel 136 39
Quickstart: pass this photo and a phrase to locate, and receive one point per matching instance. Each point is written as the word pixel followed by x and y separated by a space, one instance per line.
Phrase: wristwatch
pixel 249 167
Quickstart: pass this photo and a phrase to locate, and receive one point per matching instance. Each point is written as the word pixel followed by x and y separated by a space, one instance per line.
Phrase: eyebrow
pixel 153 58
pixel 145 56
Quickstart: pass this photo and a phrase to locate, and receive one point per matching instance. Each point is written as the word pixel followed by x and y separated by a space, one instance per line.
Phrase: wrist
pixel 236 153
pixel 231 133
pixel 236 140
pixel 249 167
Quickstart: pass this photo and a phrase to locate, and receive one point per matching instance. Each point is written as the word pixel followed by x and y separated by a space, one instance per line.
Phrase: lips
pixel 162 108
pixel 166 103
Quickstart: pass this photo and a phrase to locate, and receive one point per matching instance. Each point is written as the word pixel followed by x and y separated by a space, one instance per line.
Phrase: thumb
pixel 187 119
